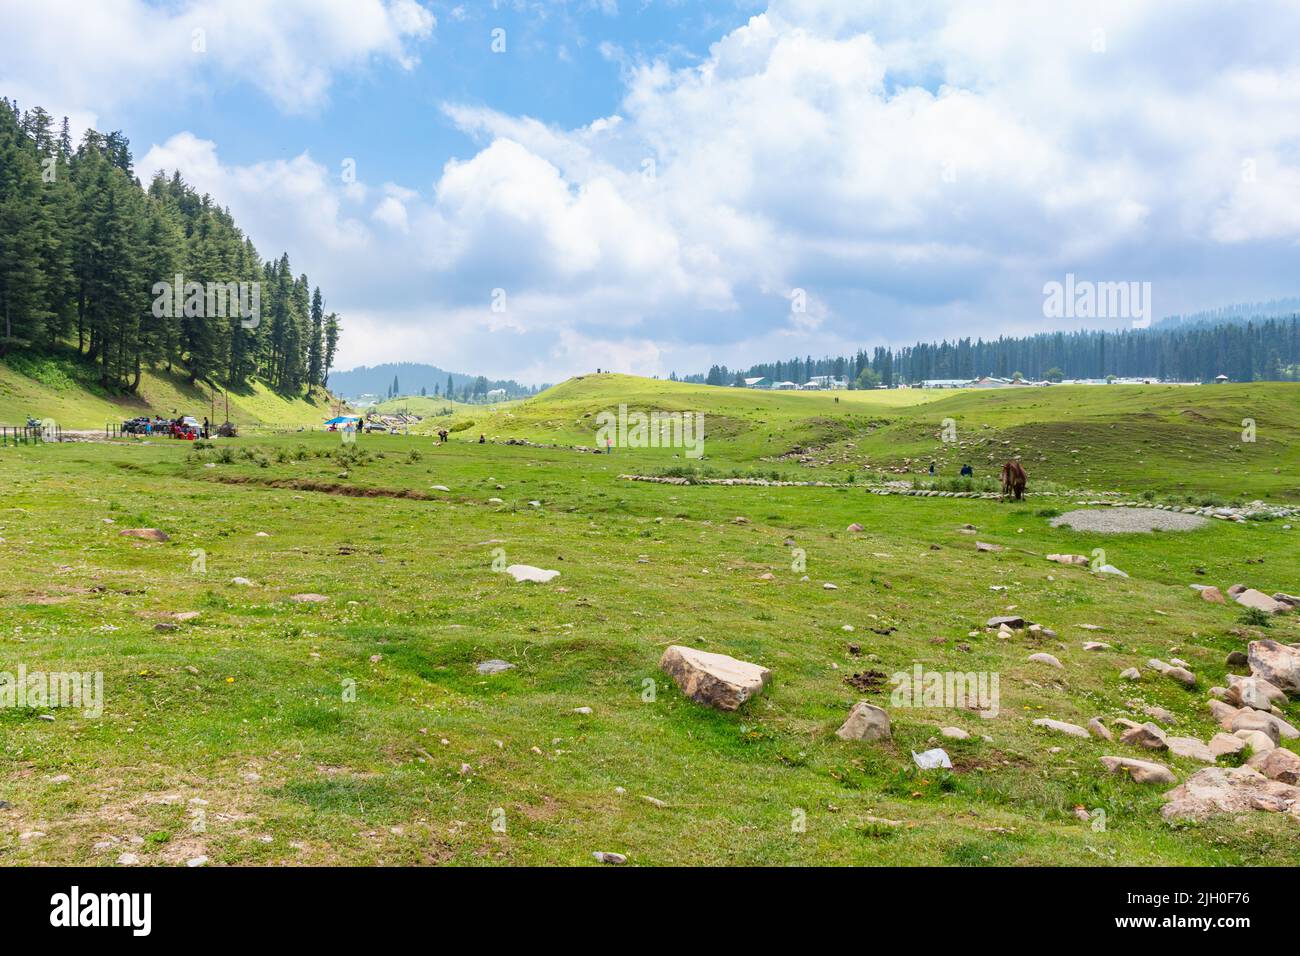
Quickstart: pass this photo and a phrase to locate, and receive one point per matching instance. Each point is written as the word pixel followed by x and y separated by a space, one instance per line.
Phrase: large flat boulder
pixel 1190 747
pixel 1216 790
pixel 713 679
pixel 1276 663
pixel 1261 602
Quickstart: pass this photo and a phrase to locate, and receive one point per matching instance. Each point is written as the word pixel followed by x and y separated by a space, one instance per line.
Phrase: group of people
pixel 966 471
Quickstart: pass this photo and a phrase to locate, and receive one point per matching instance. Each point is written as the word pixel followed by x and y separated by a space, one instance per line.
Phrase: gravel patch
pixel 1120 520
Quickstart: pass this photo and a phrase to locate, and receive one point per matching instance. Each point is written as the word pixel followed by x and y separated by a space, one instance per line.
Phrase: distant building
pixel 784 386
pixel 946 383
pixel 496 395
pixel 988 381
pixel 1220 378
pixel 760 382
pixel 825 382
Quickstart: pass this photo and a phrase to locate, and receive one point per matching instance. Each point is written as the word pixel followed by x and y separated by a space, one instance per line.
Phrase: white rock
pixel 932 759
pixel 865 722
pixel 713 679
pixel 526 572
pixel 1062 727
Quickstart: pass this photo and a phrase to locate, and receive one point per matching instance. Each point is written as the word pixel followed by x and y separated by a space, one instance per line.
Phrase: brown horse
pixel 1014 480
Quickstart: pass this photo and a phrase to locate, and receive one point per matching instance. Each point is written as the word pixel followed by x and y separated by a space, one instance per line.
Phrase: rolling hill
pixel 1172 439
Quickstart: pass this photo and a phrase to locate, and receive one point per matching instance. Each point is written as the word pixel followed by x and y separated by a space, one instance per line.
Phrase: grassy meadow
pixel 358 730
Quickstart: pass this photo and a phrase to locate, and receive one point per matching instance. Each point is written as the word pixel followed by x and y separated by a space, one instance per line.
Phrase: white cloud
pixel 919 169
pixel 68 54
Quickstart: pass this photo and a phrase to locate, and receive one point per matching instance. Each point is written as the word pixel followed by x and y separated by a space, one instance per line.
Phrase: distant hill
pixel 416 378
pixel 1235 314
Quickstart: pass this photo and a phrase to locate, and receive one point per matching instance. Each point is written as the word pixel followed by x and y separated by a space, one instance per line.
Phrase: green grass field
pixel 358 730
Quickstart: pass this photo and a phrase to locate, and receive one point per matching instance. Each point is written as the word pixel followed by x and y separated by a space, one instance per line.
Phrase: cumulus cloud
pixel 917 169
pixel 70 55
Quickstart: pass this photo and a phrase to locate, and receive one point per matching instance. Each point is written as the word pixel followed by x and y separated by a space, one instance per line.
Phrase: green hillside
pixel 65 390
pixel 422 405
pixel 1135 438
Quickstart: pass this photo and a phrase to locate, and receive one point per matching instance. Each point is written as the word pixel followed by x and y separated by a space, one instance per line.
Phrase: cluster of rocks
pixel 757 482
pixel 1279 603
pixel 1248 710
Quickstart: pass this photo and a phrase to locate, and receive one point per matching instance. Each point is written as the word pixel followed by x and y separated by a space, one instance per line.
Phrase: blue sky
pixel 561 65
pixel 658 185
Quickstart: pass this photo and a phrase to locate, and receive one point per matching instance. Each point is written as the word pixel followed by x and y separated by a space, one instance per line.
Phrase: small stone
pixel 1213 595
pixel 308 598
pixel 493 666
pixel 1062 727
pixel 1130 673
pixel 1140 771
pixel 145 534
pixel 196 861
pixel 865 722
pixel 613 859
pixel 1043 658
pixel 1098 729
pixel 128 859
pixel 1146 735
pixel 1010 621
pixel 954 733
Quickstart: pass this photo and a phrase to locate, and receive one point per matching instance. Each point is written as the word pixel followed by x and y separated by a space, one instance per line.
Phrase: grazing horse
pixel 1013 480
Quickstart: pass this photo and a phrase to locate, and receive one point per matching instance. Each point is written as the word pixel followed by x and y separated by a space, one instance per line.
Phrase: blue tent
pixel 343 420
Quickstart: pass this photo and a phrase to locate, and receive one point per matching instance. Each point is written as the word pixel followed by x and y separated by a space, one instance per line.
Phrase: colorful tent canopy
pixel 343 420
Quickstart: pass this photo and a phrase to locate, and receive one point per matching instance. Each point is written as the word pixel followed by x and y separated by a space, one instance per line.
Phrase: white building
pixel 825 382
